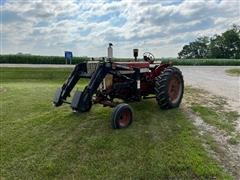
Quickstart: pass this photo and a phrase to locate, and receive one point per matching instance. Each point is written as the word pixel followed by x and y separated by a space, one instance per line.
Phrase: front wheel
pixel 169 87
pixel 122 116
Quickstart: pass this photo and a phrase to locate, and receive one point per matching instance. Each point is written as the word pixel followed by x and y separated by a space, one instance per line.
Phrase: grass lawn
pixel 234 71
pixel 39 141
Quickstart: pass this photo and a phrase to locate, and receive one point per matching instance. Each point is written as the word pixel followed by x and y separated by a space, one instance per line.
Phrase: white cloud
pixel 52 26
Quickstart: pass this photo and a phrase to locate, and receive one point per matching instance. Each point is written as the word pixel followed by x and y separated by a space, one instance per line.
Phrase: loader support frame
pixel 86 96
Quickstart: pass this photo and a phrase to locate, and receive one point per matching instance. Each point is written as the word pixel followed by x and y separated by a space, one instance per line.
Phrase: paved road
pixel 211 78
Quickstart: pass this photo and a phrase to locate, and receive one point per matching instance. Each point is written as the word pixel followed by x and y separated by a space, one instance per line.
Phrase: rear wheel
pixel 169 88
pixel 122 116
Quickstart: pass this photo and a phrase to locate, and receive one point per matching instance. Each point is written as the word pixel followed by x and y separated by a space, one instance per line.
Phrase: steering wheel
pixel 149 57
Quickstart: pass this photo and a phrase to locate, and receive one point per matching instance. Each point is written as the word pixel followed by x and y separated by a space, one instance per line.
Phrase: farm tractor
pixel 130 81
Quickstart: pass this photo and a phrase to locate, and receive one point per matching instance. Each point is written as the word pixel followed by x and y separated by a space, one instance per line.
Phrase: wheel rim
pixel 124 118
pixel 174 89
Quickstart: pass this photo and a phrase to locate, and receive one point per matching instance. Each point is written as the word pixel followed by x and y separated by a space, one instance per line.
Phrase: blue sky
pixel 50 27
pixel 2 2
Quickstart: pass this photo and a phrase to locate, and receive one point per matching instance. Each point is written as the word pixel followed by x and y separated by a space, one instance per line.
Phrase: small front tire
pixel 122 116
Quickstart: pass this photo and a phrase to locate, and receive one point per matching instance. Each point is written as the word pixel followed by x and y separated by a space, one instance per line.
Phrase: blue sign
pixel 68 56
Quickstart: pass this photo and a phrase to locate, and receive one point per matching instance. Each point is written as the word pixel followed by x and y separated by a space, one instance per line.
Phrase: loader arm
pixel 81 99
pixel 64 92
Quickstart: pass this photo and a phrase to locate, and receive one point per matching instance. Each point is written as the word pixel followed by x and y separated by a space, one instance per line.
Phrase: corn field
pixel 33 59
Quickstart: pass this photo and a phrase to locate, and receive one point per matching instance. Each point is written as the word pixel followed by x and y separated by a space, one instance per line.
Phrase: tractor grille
pixel 92 66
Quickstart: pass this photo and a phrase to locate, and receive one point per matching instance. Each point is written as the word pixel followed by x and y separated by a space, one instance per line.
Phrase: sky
pixel 85 27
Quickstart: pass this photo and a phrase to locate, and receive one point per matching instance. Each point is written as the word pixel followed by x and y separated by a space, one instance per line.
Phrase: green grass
pixel 209 141
pixel 222 120
pixel 33 59
pixel 39 141
pixel 234 71
pixel 233 141
pixel 34 74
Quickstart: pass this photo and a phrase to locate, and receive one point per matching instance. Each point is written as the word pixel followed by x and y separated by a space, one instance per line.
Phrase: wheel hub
pixel 124 119
pixel 174 89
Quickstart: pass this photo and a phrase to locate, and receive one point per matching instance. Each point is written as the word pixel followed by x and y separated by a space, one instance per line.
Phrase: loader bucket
pixel 81 102
pixel 57 101
pixel 76 100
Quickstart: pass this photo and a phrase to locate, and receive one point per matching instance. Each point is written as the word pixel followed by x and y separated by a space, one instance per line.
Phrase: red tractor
pixel 130 81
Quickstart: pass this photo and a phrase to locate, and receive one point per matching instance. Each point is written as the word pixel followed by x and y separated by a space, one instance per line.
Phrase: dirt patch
pixel 228 155
pixel 218 125
pixel 201 96
pixel 3 90
pixel 225 108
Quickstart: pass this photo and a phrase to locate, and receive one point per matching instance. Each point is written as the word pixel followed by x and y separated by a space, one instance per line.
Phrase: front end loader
pixel 130 81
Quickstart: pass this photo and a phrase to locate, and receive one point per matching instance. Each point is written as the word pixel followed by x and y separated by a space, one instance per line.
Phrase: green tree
pixel 232 42
pixel 216 47
pixel 196 49
pixel 226 45
pixel 185 52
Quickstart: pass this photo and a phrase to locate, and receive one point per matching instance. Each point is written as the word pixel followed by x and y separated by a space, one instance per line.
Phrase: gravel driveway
pixel 215 80
pixel 211 78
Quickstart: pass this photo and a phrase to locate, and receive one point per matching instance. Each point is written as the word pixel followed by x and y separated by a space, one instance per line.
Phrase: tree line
pixel 226 46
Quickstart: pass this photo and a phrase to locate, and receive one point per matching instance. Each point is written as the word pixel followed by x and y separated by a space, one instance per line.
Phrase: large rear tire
pixel 169 88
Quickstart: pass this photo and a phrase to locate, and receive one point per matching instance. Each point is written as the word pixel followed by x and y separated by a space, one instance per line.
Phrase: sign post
pixel 68 57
